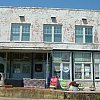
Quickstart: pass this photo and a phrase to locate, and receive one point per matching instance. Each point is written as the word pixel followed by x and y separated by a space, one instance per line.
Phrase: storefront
pixel 81 66
pixel 19 65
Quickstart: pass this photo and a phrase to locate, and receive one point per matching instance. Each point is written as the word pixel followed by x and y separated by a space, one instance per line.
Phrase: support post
pixel 47 71
pixel 72 67
pixel 32 61
pixel 93 69
pixel 10 64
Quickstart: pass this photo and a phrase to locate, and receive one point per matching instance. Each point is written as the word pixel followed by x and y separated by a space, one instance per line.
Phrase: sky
pixel 76 4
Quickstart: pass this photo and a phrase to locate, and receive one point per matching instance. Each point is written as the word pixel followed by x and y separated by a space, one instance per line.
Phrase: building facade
pixel 38 43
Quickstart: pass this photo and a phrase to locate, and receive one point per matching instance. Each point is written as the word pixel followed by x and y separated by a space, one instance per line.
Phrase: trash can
pixel 2 78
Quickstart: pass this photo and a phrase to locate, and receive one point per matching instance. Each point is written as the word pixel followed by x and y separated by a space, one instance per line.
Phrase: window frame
pixel 97 62
pixel 52 33
pixel 84 33
pixel 83 63
pixel 83 71
pixel 95 71
pixel 61 63
pixel 21 32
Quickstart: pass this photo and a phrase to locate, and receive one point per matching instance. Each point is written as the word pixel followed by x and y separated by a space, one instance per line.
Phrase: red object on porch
pixel 54 82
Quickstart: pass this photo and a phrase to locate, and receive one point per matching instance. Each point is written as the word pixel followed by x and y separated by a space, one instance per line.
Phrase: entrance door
pixel 1 68
pixel 39 70
pixel 2 73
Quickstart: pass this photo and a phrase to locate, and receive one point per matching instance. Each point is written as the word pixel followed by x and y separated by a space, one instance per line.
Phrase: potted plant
pixel 80 87
pixel 92 88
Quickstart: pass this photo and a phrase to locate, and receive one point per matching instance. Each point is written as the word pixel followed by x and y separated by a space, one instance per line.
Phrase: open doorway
pixel 1 68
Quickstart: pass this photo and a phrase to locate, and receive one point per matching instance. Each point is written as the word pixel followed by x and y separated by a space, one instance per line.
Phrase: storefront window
pixel 61 56
pixel 57 56
pixel 82 65
pixel 83 71
pixel 82 57
pixel 97 72
pixel 26 67
pixel 87 71
pixel 16 68
pixel 66 56
pixel 66 71
pixel 78 71
pixel 97 65
pixel 57 69
pixel 20 65
pixel 97 58
pixel 61 64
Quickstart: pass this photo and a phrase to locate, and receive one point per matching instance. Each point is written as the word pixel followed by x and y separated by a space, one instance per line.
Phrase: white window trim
pixel 20 38
pixel 52 34
pixel 99 71
pixel 96 62
pixel 20 32
pixel 82 70
pixel 61 67
pixel 84 33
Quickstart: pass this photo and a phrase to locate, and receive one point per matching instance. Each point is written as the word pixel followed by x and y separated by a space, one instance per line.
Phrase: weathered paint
pixel 39 16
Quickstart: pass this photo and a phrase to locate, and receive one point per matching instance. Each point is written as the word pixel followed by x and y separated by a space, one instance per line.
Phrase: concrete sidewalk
pixel 87 89
pixel 7 98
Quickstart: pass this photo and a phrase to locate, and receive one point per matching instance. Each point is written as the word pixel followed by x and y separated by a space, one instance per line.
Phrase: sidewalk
pixel 7 98
pixel 87 89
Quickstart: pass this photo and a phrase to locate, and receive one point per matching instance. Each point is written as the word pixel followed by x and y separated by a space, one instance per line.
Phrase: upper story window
pixel 83 34
pixel 20 32
pixel 52 33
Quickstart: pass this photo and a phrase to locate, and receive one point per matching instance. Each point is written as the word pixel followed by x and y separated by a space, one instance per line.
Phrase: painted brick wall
pixel 39 16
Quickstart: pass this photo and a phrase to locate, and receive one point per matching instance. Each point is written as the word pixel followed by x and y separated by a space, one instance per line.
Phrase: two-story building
pixel 38 43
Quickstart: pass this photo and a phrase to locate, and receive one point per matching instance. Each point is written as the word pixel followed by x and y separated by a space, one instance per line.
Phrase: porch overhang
pixel 26 49
pixel 25 46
